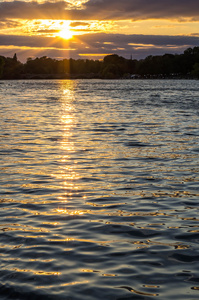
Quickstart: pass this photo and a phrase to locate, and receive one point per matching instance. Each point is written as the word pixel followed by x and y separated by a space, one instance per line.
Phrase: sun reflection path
pixel 66 174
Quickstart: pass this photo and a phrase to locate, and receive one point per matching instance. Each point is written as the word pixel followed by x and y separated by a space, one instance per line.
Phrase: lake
pixel 99 191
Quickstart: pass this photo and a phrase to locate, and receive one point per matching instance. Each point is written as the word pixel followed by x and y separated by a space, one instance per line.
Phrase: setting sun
pixel 65 33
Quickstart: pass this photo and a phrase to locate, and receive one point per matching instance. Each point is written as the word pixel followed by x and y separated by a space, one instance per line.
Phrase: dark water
pixel 99 190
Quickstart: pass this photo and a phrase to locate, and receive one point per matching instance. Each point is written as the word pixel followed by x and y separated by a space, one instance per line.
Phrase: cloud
pixel 195 34
pixel 34 9
pixel 99 44
pixel 143 9
pixel 27 41
pixel 4 24
pixel 100 39
pixel 76 24
pixel 124 39
pixel 46 31
pixel 102 10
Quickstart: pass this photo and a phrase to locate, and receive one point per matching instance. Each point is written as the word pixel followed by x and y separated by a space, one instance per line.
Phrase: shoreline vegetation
pixel 113 66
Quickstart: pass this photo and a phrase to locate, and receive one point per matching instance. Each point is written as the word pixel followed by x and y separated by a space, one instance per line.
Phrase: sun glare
pixel 65 33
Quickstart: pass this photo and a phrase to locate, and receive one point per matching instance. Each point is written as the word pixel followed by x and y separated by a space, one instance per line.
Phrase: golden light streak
pixel 43 273
pixel 94 54
pixel 75 283
pixel 70 213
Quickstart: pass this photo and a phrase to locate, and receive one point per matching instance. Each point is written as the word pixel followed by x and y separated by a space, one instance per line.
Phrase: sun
pixel 65 33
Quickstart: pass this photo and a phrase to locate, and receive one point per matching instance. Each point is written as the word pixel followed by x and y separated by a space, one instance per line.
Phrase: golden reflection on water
pixel 120 224
pixel 75 283
pixel 66 173
pixel 36 272
pixel 71 213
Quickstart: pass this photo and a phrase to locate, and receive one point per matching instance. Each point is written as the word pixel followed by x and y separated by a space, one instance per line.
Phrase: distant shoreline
pixel 94 78
pixel 113 66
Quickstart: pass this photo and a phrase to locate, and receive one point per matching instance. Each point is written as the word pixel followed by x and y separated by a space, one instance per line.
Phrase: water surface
pixel 99 191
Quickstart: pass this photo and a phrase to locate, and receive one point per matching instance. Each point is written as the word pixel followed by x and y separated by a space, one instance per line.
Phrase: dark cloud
pixel 195 34
pixel 86 30
pixel 34 10
pixel 101 39
pixel 143 9
pixel 46 31
pixel 102 10
pixel 76 24
pixel 123 40
pixel 139 46
pixel 4 24
pixel 28 41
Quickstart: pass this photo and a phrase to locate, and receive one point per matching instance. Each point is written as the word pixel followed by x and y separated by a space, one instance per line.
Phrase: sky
pixel 92 29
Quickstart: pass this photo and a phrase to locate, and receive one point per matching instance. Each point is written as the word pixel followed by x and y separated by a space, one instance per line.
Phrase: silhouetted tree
pixel 195 71
pixel 112 66
pixel 132 66
pixel 2 62
pixel 15 57
pixel 12 68
pixel 42 65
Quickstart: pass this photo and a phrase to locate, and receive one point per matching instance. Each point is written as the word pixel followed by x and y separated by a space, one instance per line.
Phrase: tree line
pixel 185 65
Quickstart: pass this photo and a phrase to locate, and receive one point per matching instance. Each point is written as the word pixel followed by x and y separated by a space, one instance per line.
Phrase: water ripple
pixel 99 190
